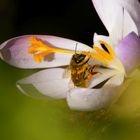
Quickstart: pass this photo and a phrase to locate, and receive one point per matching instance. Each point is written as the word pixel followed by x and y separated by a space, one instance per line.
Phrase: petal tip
pixel 128 51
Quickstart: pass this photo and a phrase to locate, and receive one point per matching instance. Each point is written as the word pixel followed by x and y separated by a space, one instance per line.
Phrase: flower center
pixel 40 49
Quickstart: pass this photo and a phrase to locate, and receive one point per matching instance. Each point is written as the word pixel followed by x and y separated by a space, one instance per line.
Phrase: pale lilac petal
pixel 128 51
pixel 15 51
pixel 49 83
pixel 93 99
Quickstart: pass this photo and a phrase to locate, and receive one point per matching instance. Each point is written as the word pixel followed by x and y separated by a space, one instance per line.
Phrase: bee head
pixel 78 58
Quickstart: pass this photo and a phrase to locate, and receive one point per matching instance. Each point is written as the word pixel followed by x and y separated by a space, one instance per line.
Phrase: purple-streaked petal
pixel 94 99
pixel 15 51
pixel 49 83
pixel 128 51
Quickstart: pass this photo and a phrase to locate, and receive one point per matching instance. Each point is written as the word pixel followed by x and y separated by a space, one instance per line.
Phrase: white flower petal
pixel 94 99
pixel 15 51
pixel 106 39
pixel 104 74
pixel 115 18
pixel 108 11
pixel 128 24
pixel 122 27
pixel 50 83
pixel 133 8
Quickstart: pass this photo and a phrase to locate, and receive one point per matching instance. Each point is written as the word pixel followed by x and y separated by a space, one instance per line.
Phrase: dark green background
pixel 23 118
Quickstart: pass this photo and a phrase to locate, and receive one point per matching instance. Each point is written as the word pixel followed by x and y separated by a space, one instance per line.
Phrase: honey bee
pixel 81 70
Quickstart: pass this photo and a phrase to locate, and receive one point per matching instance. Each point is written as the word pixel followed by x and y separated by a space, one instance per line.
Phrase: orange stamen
pixel 103 53
pixel 38 45
pixel 39 56
pixel 40 49
pixel 95 56
pixel 111 52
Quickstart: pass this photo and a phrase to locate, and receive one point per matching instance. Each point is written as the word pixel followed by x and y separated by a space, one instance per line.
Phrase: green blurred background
pixel 23 118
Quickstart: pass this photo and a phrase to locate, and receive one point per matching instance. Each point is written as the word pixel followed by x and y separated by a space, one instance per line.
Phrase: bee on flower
pixel 89 77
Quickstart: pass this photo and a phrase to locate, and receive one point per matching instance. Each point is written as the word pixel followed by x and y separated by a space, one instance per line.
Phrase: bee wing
pixel 46 83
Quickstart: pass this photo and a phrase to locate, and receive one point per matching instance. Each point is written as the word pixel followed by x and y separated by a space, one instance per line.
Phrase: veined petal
pixel 133 8
pixel 15 51
pixel 129 24
pixel 105 10
pixel 122 27
pixel 128 51
pixel 94 99
pixel 50 83
pixel 118 23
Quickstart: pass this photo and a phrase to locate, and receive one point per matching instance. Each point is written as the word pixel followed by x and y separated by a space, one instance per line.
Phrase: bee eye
pixel 77 61
pixel 80 59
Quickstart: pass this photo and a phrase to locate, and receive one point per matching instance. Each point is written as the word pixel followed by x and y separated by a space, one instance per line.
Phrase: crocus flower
pixel 89 78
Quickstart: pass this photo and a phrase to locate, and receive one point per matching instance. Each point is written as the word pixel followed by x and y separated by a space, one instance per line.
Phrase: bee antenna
pixel 76 47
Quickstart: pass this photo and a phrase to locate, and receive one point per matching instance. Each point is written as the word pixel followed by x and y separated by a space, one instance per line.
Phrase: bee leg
pixel 91 74
pixel 66 73
pixel 91 70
